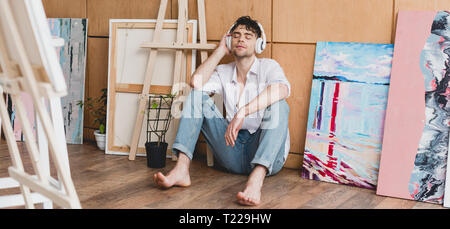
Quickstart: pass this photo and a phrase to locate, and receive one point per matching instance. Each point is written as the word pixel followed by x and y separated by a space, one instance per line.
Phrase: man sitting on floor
pixel 254 137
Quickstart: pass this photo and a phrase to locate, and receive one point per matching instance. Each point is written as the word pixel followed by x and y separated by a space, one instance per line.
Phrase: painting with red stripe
pixel 346 113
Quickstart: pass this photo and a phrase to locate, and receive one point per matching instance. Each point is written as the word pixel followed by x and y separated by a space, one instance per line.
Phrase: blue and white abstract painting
pixel 346 113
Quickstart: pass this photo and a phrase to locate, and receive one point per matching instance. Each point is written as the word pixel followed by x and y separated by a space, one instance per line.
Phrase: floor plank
pixel 109 181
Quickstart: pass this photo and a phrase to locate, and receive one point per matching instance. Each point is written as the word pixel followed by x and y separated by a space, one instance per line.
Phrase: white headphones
pixel 260 42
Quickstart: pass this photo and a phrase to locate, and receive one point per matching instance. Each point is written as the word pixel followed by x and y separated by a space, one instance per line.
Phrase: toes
pixel 253 201
pixel 160 179
pixel 241 197
pixel 250 201
pixel 244 199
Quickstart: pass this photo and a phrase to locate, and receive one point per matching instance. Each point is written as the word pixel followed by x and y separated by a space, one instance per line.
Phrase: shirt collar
pixel 253 69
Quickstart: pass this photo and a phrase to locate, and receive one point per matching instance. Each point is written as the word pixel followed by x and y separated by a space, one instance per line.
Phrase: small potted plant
pixel 158 122
pixel 97 107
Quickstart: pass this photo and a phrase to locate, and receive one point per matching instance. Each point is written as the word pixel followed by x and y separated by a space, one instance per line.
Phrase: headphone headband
pixel 263 35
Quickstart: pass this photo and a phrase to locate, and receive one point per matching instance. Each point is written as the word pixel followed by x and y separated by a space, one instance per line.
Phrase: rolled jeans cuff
pixel 264 163
pixel 177 147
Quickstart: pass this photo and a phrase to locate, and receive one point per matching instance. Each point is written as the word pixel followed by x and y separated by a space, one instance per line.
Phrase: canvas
pixel 414 156
pixel 12 114
pixel 127 66
pixel 346 113
pixel 72 59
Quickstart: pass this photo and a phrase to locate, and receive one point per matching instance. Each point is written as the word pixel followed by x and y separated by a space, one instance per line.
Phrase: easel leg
pixel 58 125
pixel 204 56
pixel 147 81
pixel 14 150
pixel 43 153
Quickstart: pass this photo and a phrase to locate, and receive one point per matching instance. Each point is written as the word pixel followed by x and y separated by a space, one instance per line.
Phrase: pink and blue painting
pixel 417 117
pixel 348 101
pixel 72 58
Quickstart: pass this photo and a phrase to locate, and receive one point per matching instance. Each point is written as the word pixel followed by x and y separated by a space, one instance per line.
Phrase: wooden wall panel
pixel 96 78
pixel 417 5
pixel 100 11
pixel 309 21
pixel 220 15
pixel 65 8
pixel 421 5
pixel 297 61
pixel 294 161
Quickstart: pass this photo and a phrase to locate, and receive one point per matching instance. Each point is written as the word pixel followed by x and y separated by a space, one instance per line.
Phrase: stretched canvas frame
pixel 125 83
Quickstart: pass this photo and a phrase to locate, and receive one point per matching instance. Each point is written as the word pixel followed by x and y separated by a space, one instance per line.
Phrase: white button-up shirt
pixel 262 73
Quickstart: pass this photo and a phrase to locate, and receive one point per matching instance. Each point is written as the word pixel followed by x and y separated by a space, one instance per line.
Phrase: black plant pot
pixel 156 154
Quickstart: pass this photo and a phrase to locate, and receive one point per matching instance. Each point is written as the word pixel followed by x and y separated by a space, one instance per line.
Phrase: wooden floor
pixel 108 181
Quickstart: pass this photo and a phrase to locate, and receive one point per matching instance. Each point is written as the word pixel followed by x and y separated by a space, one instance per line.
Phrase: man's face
pixel 243 42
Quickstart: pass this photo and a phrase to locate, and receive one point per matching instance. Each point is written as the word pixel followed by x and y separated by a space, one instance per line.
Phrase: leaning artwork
pixel 72 59
pixel 346 113
pixel 414 157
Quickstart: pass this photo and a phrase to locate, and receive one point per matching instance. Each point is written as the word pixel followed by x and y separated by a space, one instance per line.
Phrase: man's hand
pixel 203 73
pixel 234 127
pixel 222 48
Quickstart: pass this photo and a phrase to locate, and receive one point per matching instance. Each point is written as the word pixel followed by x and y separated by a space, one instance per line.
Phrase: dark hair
pixel 250 25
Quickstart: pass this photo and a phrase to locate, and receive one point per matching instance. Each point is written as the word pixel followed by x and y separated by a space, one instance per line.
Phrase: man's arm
pixel 205 70
pixel 271 94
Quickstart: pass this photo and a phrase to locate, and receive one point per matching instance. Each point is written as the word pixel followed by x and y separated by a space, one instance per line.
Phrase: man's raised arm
pixel 205 70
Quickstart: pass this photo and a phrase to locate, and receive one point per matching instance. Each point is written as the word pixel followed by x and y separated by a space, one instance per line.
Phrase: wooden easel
pixel 17 75
pixel 180 46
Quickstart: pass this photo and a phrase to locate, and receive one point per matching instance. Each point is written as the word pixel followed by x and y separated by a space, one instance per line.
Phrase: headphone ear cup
pixel 263 45
pixel 228 42
pixel 258 46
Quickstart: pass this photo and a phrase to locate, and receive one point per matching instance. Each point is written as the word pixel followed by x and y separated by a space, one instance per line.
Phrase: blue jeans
pixel 264 147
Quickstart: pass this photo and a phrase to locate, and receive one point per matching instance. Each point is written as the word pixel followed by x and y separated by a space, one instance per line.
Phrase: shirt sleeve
pixel 213 86
pixel 276 75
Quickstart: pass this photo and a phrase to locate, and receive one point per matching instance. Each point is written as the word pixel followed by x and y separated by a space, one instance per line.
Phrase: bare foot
pixel 251 196
pixel 176 177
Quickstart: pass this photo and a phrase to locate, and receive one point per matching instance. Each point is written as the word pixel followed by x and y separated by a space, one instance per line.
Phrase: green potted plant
pixel 158 122
pixel 97 107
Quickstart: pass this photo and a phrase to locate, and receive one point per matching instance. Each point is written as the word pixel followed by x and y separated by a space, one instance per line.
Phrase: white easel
pixel 35 71
pixel 180 45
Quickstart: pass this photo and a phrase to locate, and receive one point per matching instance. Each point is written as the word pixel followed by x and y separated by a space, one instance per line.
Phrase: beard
pixel 238 54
